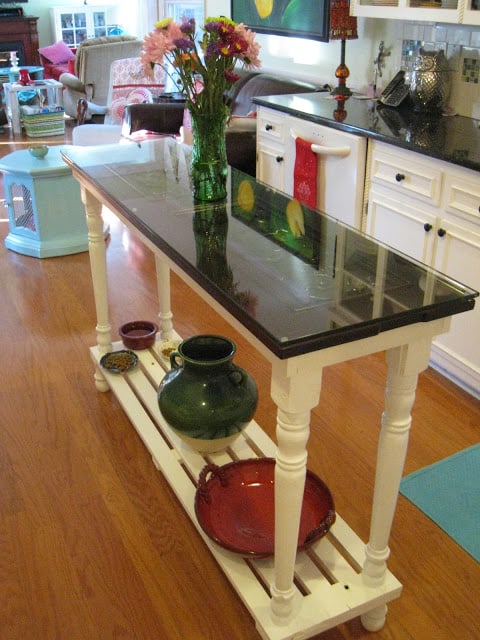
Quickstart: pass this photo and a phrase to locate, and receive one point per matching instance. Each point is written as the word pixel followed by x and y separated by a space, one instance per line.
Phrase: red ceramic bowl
pixel 235 507
pixel 138 334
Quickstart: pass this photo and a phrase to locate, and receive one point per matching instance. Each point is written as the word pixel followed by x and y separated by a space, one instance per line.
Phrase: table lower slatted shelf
pixel 328 580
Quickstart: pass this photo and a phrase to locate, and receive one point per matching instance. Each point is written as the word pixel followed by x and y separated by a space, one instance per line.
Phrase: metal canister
pixel 431 81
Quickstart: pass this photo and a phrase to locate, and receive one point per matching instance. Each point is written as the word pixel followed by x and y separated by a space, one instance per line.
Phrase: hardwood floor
pixel 93 544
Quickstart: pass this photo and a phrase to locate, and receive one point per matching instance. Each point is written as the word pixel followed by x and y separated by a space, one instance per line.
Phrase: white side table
pixel 36 73
pixel 50 89
pixel 45 212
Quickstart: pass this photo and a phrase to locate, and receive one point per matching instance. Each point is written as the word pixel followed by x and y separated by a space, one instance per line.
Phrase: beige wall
pixel 317 61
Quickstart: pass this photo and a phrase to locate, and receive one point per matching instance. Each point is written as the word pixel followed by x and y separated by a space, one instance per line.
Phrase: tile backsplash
pixel 470 69
pixel 461 45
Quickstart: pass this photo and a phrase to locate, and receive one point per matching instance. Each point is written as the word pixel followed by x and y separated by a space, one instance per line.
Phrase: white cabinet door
pixel 471 14
pixel 409 229
pixel 451 11
pixel 457 254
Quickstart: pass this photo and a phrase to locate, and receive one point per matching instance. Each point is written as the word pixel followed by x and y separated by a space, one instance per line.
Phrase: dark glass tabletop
pixel 297 279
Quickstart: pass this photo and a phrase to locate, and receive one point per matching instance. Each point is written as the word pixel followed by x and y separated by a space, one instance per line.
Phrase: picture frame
pixel 294 18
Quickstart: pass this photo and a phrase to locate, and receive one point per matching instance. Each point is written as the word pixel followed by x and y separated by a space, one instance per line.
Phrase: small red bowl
pixel 138 334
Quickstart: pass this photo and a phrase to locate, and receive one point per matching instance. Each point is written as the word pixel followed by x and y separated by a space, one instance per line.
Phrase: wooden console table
pixel 307 292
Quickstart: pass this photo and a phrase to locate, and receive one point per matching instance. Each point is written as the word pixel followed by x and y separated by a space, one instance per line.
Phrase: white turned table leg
pixel 404 365
pixel 98 266
pixel 164 299
pixel 295 391
pixel 374 619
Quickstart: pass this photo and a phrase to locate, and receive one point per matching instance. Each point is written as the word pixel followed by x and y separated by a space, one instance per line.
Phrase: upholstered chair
pixel 91 80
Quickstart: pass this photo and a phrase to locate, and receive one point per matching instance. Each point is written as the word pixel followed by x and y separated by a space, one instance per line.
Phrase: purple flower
pixel 184 44
pixel 188 26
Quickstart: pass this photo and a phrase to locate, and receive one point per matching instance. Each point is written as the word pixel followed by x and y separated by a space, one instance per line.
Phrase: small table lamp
pixel 343 27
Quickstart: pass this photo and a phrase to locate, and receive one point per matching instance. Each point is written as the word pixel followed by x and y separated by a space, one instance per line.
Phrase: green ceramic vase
pixel 205 398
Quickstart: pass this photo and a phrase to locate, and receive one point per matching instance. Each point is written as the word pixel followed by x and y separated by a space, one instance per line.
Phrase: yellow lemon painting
pixel 295 218
pixel 246 197
pixel 264 7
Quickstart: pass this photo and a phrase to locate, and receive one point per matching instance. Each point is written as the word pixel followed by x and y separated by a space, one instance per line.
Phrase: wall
pixel 317 61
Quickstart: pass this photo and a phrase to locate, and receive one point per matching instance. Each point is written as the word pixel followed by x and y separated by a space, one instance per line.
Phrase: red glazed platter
pixel 235 507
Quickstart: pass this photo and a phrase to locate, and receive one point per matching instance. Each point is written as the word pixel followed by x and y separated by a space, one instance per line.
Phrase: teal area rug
pixel 448 492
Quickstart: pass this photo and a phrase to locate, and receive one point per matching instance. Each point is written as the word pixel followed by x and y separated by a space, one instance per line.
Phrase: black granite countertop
pixel 295 293
pixel 454 139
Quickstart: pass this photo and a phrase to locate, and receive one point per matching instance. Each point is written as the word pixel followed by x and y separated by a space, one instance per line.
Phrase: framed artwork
pixel 298 18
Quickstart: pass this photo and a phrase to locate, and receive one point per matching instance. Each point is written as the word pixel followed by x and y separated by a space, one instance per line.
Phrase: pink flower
pixel 251 55
pixel 212 60
pixel 156 44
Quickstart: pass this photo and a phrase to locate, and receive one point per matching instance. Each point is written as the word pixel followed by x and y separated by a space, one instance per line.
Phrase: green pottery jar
pixel 205 398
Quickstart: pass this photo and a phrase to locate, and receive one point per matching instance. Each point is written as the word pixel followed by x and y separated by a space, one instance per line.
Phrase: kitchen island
pixel 305 299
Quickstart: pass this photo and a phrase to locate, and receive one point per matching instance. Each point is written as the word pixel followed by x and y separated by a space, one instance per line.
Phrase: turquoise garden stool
pixel 45 211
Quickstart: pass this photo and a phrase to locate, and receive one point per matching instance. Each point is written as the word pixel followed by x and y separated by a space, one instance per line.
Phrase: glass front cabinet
pixel 451 11
pixel 73 25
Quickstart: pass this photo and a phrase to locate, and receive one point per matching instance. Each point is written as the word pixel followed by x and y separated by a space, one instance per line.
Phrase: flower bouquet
pixel 204 71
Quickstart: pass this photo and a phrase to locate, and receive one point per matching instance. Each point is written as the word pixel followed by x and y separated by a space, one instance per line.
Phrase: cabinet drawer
pixel 407 175
pixel 270 125
pixel 271 167
pixel 405 226
pixel 462 196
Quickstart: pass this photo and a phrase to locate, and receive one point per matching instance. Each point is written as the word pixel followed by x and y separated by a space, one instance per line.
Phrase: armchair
pixel 92 72
pixel 129 84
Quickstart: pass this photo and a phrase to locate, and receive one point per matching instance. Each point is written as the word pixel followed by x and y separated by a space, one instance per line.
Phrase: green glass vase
pixel 210 229
pixel 209 156
pixel 206 398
